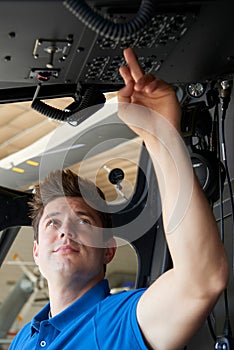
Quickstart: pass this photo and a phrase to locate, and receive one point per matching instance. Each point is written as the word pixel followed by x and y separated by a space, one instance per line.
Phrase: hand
pixel 146 90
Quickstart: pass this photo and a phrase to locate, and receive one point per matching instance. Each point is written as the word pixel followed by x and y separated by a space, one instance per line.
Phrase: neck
pixel 63 295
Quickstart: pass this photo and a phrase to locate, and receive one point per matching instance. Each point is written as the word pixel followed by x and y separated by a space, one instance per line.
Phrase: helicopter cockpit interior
pixel 59 74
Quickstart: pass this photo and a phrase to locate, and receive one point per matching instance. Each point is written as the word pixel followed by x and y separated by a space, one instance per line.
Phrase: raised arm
pixel 178 302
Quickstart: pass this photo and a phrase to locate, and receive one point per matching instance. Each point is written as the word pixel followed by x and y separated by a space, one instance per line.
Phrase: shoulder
pixel 21 337
pixel 25 336
pixel 124 298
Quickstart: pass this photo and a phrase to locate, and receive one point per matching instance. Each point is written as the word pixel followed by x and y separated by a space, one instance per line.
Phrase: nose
pixel 66 230
pixel 63 234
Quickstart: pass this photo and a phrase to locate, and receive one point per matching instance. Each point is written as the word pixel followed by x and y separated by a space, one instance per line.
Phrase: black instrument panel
pixel 44 41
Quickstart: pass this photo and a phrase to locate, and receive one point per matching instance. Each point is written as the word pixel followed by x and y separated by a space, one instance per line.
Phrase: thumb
pixel 125 94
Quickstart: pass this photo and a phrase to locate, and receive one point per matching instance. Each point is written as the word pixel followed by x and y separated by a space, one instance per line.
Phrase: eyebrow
pixel 51 215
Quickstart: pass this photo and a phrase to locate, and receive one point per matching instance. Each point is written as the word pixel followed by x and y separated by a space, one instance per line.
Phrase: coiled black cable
pixel 49 111
pixel 106 27
pixel 92 97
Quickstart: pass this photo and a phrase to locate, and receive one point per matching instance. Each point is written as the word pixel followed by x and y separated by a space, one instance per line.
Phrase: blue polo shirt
pixel 96 321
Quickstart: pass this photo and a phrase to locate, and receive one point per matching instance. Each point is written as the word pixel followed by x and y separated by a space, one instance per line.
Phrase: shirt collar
pixel 85 302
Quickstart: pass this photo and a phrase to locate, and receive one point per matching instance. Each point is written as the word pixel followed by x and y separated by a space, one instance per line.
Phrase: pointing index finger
pixel 134 67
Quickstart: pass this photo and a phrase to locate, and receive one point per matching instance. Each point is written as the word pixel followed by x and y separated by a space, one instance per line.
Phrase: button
pixel 43 343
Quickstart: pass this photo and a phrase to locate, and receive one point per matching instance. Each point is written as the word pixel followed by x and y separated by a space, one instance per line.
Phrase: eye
pixel 84 221
pixel 52 222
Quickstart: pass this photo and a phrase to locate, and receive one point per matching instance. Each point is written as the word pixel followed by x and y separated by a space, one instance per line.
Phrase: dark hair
pixel 65 183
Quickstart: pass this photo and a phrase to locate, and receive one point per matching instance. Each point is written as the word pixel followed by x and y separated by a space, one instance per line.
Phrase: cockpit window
pixel 102 148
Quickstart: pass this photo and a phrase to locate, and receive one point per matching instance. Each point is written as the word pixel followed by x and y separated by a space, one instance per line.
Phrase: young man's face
pixel 71 241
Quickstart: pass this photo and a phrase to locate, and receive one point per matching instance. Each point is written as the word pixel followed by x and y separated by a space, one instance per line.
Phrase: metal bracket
pixel 53 47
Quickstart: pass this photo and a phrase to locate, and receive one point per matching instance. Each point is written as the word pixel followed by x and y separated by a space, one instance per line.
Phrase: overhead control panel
pixel 181 42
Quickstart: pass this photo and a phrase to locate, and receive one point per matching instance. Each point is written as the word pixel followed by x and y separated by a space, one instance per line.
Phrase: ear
pixel 109 250
pixel 35 252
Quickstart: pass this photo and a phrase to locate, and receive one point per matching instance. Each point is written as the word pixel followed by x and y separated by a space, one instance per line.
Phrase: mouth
pixel 67 248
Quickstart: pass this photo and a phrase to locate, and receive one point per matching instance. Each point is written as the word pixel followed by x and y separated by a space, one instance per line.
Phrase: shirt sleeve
pixel 116 322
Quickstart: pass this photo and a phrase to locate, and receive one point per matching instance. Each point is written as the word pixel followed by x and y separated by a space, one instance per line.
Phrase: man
pixel 71 248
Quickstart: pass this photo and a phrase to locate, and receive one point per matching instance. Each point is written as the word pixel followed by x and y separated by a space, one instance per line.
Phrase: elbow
pixel 225 274
pixel 214 282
